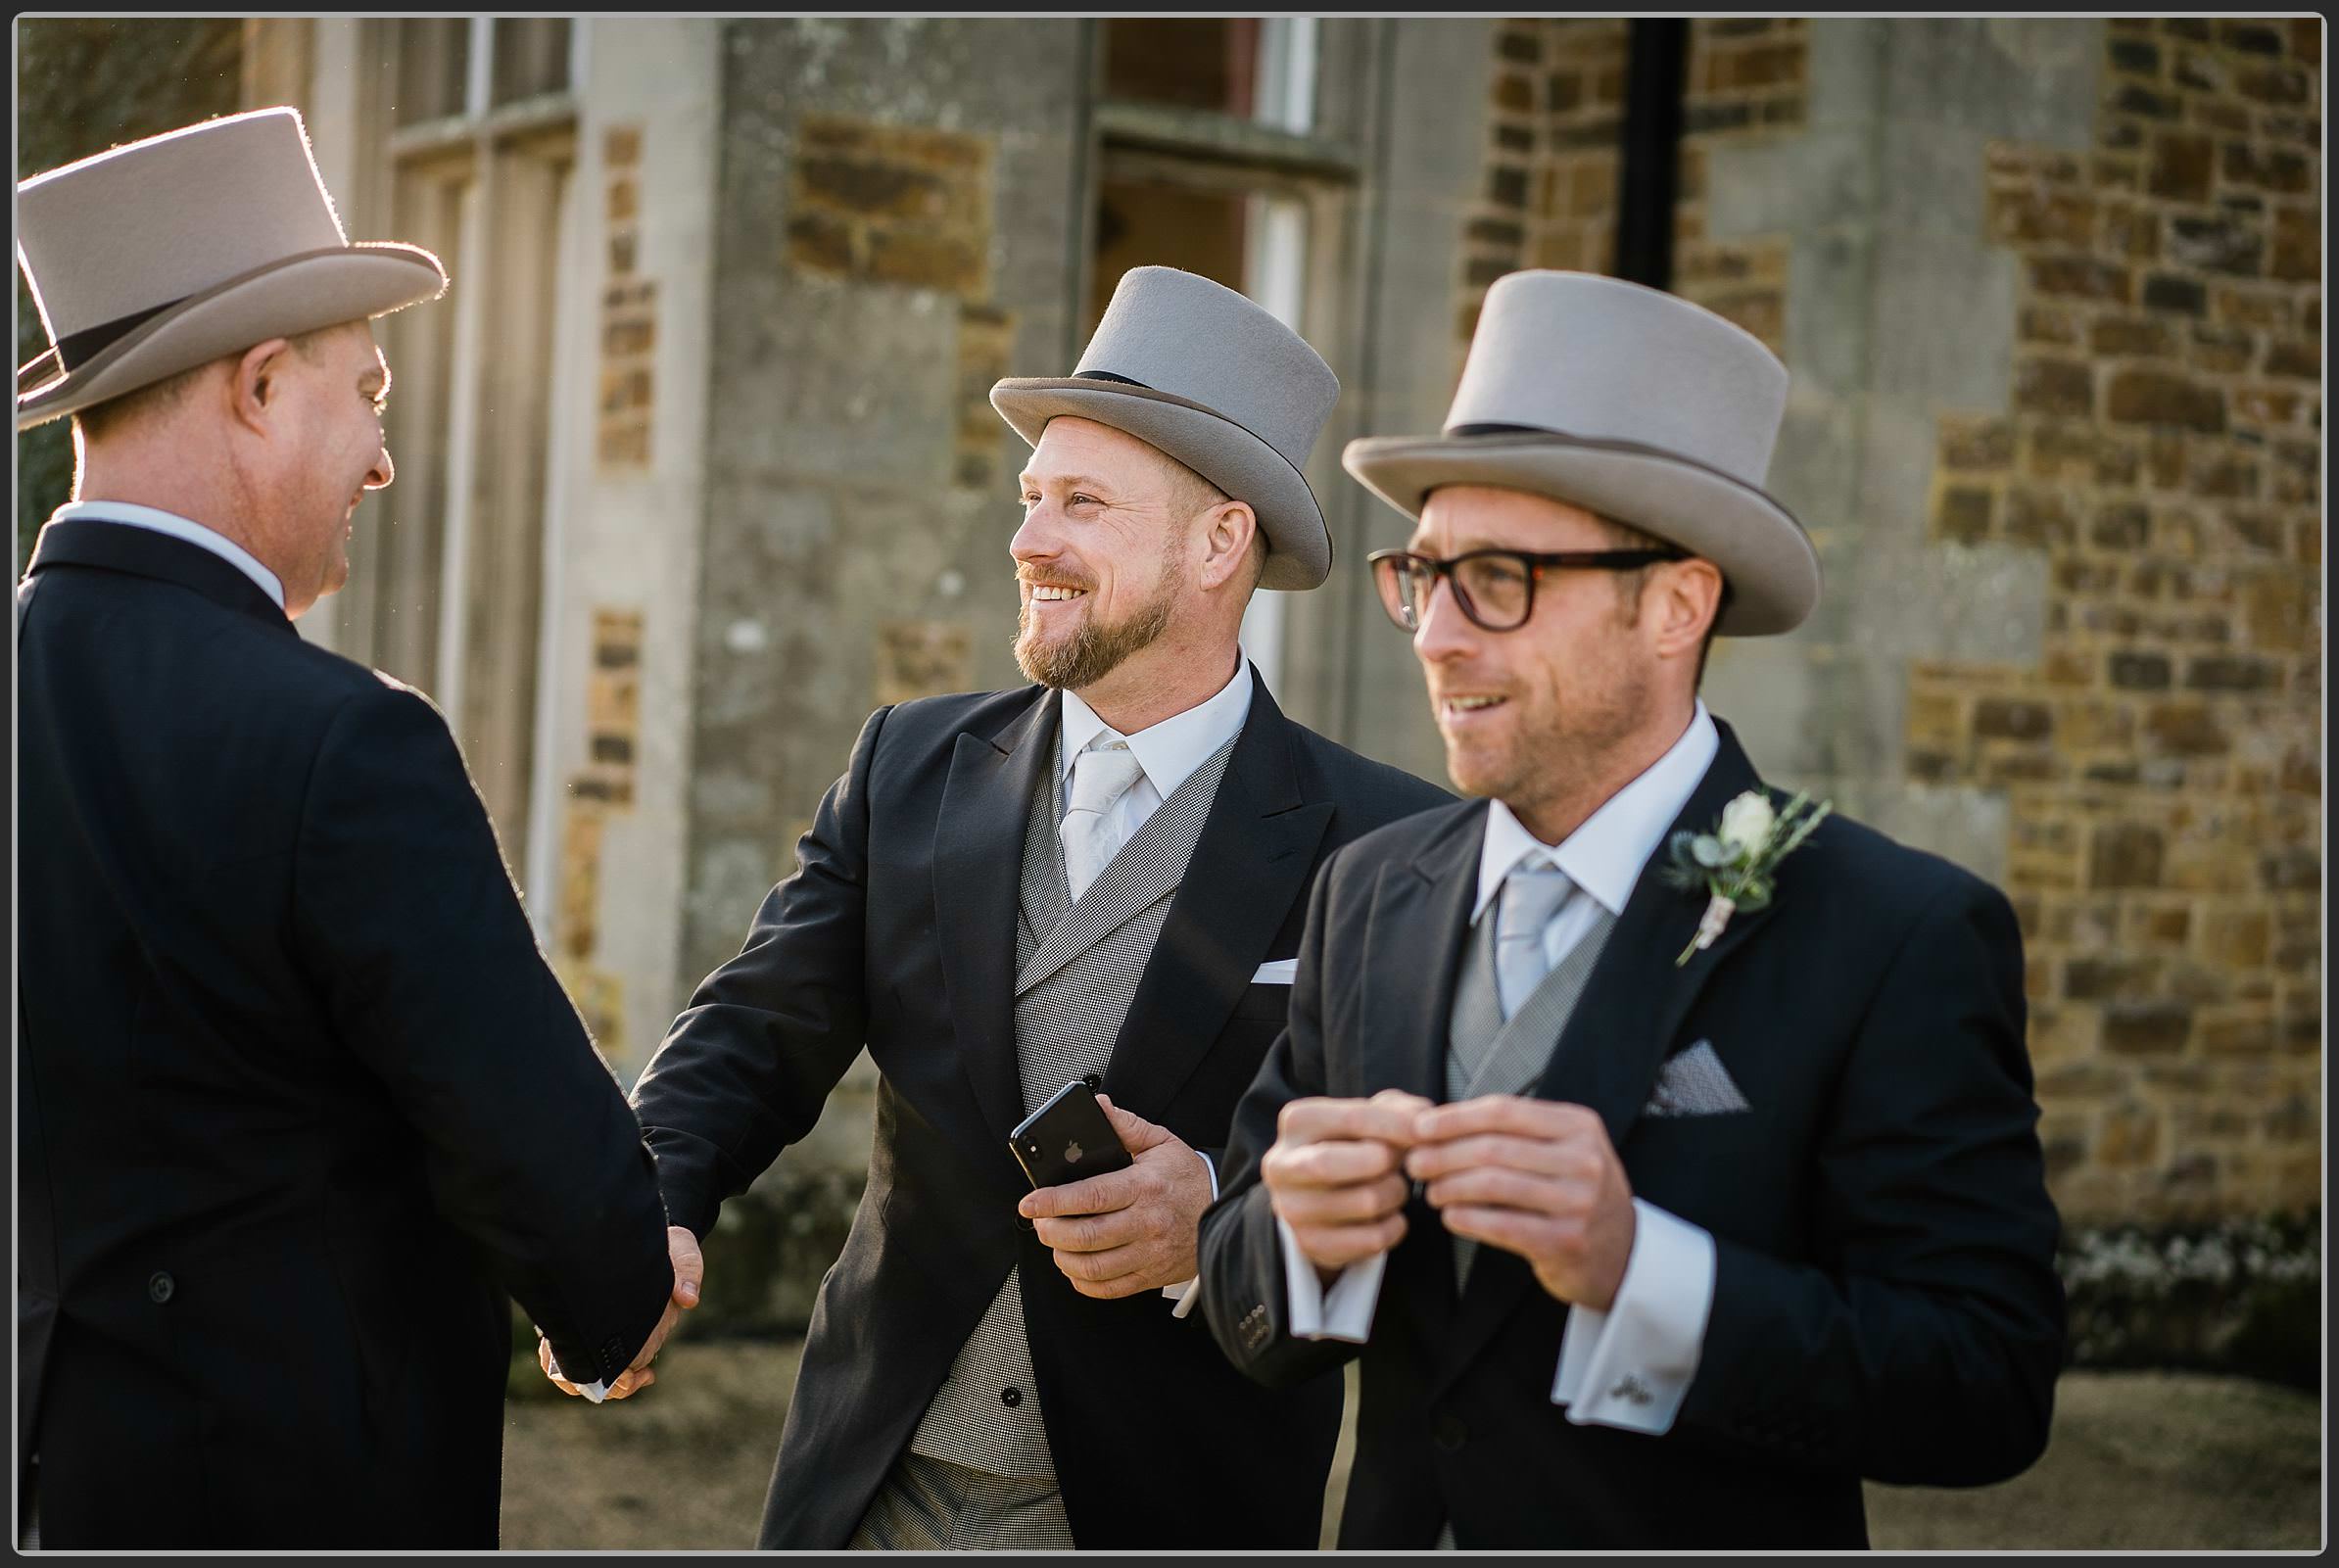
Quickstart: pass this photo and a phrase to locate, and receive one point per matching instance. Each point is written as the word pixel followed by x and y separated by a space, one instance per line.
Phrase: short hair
pixel 1624 536
pixel 101 420
pixel 1195 493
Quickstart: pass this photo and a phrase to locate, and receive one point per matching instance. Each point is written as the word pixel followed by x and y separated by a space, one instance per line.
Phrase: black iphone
pixel 1068 1138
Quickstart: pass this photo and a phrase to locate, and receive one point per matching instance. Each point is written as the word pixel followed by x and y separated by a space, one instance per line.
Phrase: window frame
pixel 1319 170
pixel 471 151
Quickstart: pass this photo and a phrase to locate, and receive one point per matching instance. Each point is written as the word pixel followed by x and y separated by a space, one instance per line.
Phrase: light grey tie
pixel 1101 776
pixel 1531 895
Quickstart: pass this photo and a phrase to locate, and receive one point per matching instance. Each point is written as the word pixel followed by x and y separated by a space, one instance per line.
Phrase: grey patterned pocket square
pixel 1694 1083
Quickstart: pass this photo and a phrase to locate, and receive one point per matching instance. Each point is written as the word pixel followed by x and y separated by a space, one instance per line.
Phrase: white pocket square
pixel 1280 972
pixel 1694 1083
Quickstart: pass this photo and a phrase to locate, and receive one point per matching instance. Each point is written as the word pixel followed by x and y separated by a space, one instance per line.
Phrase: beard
pixel 1093 649
pixel 1561 752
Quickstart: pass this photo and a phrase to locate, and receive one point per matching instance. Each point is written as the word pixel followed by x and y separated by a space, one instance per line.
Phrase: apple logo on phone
pixel 1072 1153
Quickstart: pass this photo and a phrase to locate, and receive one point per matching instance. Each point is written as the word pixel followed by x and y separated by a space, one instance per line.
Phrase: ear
pixel 254 391
pixel 1227 531
pixel 1680 602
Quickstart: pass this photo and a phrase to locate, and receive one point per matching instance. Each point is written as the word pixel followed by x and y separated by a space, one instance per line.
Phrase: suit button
pixel 1094 1080
pixel 160 1287
pixel 1450 1434
pixel 1011 1397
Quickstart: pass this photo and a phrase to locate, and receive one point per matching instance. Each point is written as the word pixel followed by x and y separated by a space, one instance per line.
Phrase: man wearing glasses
pixel 1658 1218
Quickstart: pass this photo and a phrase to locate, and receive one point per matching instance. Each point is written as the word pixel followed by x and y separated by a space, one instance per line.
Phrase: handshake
pixel 1533 1178
pixel 690 1270
pixel 1114 1235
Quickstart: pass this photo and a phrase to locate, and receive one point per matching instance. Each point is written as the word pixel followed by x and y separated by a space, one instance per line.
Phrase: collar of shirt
pixel 178 527
pixel 1606 855
pixel 1169 751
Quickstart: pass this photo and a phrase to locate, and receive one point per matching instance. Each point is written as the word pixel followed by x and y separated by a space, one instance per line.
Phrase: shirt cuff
pixel 1184 1293
pixel 1631 1366
pixel 1341 1312
pixel 596 1391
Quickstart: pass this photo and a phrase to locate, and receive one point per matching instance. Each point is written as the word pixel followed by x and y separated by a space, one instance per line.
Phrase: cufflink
pixel 1631 1389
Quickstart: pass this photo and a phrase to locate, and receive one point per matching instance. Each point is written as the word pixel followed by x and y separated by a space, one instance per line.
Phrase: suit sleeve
pixel 1242 1255
pixel 749 1062
pixel 408 922
pixel 1926 1349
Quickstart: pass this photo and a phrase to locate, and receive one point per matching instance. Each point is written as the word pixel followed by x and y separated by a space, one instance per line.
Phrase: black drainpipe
pixel 1652 115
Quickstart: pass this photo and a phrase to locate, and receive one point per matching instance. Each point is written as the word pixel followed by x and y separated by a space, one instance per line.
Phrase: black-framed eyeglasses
pixel 1495 587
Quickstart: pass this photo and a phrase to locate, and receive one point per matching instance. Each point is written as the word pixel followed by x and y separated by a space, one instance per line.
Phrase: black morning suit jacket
pixel 898 930
pixel 1886 1302
pixel 299 1101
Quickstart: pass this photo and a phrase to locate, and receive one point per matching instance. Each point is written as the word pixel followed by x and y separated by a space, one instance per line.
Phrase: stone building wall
pixel 2160 448
pixel 895 227
pixel 1555 127
pixel 2049 290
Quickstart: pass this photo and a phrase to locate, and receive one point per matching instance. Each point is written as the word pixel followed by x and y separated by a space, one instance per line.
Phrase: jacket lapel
pixel 1609 1055
pixel 1419 931
pixel 977 860
pixel 1248 867
pixel 1417 939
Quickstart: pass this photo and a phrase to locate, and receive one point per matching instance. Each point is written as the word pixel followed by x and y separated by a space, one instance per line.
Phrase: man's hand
pixel 689 1273
pixel 1334 1174
pixel 1534 1177
pixel 1128 1230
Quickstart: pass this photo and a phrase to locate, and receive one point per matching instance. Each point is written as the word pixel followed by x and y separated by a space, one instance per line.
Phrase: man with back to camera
pixel 1728 1203
pixel 1101 875
pixel 300 1099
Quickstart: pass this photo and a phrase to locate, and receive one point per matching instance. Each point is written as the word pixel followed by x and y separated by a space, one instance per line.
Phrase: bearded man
pixel 1102 876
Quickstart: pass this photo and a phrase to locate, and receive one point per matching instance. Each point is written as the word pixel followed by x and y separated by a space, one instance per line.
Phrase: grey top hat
pixel 1627 402
pixel 1196 369
pixel 168 253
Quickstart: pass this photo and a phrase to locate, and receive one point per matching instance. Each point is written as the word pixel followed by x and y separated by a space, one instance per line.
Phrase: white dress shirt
pixel 1649 1339
pixel 1168 752
pixel 178 527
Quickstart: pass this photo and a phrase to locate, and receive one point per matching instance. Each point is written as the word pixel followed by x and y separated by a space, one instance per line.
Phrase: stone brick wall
pixel 1554 129
pixel 1746 81
pixel 892 235
pixel 629 343
pixel 2162 446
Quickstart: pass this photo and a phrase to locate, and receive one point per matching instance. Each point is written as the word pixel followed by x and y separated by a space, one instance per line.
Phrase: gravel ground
pixel 2139 1461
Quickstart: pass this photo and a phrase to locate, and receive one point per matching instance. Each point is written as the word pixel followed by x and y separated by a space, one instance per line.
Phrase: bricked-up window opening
pixel 464 66
pixel 1157 213
pixel 1252 68
pixel 1180 200
pixel 532 57
pixel 434 68
pixel 1206 63
pixel 476 149
pixel 1656 74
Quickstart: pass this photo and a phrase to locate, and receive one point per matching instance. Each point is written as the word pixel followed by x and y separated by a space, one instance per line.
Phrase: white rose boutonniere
pixel 1748 822
pixel 1736 863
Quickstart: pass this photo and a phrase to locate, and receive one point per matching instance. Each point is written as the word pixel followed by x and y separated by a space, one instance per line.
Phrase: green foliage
pixel 2241 1295
pixel 769 1249
pixel 84 84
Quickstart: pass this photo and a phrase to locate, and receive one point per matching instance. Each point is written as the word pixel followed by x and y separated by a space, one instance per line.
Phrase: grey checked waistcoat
pixel 1484 1055
pixel 1077 965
